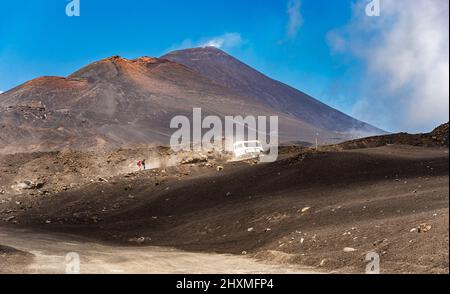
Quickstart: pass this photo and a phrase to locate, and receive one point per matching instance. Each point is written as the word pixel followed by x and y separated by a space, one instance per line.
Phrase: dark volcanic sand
pixel 366 199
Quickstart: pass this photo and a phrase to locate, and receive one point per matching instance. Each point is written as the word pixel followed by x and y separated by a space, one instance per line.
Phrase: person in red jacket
pixel 139 164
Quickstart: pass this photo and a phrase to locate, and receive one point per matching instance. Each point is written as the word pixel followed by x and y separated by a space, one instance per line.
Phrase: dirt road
pixel 50 253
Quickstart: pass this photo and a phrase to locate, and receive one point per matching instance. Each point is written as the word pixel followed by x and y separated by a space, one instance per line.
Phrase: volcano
pixel 119 102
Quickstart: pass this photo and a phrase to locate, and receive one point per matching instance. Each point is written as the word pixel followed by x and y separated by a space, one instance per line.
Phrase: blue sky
pixel 285 39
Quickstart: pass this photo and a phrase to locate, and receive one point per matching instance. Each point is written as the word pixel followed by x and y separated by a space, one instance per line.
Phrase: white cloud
pixel 1 92
pixel 226 41
pixel 295 18
pixel 405 52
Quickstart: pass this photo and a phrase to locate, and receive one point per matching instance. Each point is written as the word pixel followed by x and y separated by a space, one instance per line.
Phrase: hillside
pixel 117 102
pixel 324 209
pixel 230 72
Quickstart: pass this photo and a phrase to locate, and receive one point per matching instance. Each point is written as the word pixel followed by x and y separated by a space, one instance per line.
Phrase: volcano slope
pixel 325 209
pixel 118 102
pixel 233 74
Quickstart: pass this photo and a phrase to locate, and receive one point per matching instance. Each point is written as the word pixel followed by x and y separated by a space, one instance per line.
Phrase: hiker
pixel 139 164
pixel 143 163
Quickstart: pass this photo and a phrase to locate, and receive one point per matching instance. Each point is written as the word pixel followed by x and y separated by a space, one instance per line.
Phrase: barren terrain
pixel 319 209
